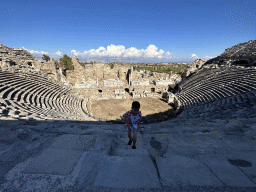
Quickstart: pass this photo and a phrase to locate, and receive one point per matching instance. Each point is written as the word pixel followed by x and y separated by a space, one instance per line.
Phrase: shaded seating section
pixel 30 95
pixel 212 90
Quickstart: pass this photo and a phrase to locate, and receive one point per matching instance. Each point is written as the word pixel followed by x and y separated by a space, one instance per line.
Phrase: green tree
pixel 83 64
pixel 66 60
pixel 111 66
pixel 45 57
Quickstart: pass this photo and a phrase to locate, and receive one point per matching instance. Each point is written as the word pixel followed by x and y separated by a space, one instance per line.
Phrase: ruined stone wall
pixel 97 79
pixel 192 68
pixel 96 71
pixel 115 92
pixel 148 89
pixel 16 56
pixel 75 75
pixel 71 77
pixel 48 67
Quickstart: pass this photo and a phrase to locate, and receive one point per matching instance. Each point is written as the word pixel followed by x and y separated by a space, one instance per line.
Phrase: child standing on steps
pixel 133 119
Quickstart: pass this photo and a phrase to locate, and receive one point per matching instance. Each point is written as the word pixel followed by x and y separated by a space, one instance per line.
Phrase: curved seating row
pixel 219 97
pixel 226 83
pixel 204 93
pixel 228 104
pixel 203 74
pixel 35 94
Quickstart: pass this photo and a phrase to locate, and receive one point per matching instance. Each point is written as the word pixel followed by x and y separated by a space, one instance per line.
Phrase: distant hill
pixel 243 54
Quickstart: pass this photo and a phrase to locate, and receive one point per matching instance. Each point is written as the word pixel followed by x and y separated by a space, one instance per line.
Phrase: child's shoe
pixel 130 142
pixel 134 147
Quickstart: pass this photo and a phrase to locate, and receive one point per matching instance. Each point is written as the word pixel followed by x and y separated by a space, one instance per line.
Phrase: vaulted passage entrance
pixel 12 63
pixel 241 63
pixel 152 90
pixel 127 90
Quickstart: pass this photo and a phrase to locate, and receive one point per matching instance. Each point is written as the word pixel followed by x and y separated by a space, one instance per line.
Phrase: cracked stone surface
pixel 178 154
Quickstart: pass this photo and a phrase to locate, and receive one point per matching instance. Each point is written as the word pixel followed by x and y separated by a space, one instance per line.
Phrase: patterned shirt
pixel 131 119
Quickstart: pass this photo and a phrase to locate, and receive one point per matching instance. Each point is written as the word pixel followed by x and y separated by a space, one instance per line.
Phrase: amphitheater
pixel 50 142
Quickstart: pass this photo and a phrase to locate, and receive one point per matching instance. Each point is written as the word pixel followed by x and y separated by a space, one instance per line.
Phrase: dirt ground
pixel 112 109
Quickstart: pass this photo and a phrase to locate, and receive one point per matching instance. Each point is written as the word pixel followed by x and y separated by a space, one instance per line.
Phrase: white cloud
pixel 118 53
pixel 39 54
pixel 132 52
pixel 36 52
pixel 194 56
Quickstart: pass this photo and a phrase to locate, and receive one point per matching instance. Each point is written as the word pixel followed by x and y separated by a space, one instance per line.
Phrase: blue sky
pixel 127 30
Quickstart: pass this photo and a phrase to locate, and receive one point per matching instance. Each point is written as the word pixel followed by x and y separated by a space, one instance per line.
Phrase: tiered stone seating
pixel 37 97
pixel 63 103
pixel 205 93
pixel 28 108
pixel 225 86
pixel 85 106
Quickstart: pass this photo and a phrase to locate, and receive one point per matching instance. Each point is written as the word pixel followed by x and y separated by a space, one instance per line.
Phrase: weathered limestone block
pixel 122 74
pixel 192 68
pixel 16 56
pixel 163 82
pixel 71 77
pixel 86 84
pixel 171 98
pixel 112 83
pixel 142 82
pixel 77 66
pixel 119 91
pixel 47 67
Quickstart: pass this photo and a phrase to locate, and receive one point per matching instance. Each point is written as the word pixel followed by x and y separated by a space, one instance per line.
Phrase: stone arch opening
pixel 175 89
pixel 221 62
pixel 29 63
pixel 129 75
pixel 197 66
pixel 12 63
pixel 170 89
pixel 127 90
pixel 152 90
pixel 100 91
pixel 240 62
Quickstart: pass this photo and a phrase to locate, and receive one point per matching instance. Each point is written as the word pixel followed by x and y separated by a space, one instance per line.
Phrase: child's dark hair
pixel 135 105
